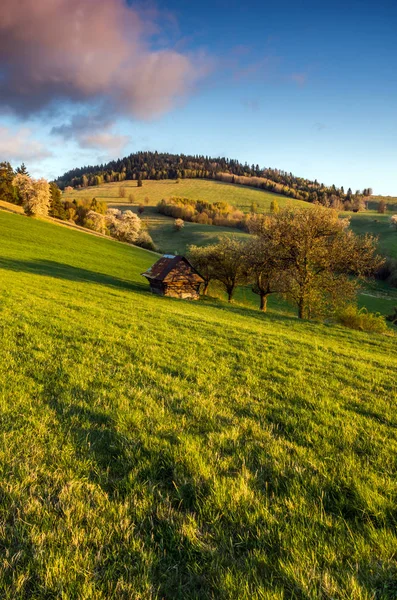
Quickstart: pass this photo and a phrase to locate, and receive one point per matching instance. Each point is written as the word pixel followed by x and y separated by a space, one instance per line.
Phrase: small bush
pixel 145 241
pixel 361 319
pixel 388 272
pixel 393 318
pixel 179 224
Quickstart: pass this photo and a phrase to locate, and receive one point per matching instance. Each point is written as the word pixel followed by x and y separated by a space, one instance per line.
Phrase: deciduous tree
pixel 320 253
pixel 201 258
pixel 35 195
pixel 228 262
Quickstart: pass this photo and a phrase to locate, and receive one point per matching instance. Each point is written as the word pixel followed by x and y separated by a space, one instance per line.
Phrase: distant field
pixel 379 225
pixel 197 189
pixel 167 239
pixel 391 202
pixel 161 227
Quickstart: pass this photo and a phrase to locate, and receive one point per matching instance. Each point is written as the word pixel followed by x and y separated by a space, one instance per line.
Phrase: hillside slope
pixel 197 189
pixel 156 448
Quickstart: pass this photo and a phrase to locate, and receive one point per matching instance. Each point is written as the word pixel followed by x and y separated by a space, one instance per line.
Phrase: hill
pixel 155 448
pixel 241 197
pixel 160 165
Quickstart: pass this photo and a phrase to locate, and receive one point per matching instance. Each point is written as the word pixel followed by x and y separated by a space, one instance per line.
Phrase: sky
pixel 309 87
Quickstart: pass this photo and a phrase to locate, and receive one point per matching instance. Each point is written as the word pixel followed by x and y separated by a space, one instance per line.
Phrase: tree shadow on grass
pixel 50 268
pixel 17 550
pixel 179 567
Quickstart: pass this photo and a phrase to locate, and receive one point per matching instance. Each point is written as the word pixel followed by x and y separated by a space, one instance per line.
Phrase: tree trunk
pixel 301 309
pixel 230 294
pixel 263 303
pixel 205 288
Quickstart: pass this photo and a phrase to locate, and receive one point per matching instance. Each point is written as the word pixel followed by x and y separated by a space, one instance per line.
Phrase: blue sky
pixel 308 87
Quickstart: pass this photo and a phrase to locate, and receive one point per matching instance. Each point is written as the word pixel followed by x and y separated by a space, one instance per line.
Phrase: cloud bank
pixel 85 52
pixel 19 146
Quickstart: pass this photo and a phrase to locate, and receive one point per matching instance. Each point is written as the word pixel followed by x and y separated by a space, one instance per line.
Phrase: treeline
pixel 220 214
pixel 157 166
pixel 199 211
pixel 309 257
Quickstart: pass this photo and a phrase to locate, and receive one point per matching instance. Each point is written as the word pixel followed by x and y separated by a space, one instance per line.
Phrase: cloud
pixel 82 52
pixel 299 78
pixel 19 146
pixel 93 130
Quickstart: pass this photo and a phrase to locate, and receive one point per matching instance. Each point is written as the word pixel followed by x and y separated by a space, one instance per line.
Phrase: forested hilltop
pixel 156 166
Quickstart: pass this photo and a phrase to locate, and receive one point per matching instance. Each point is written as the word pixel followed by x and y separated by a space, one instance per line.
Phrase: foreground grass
pixel 155 448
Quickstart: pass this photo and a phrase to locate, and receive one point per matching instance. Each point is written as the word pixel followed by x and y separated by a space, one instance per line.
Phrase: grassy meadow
pixel 197 189
pixel 158 449
pixel 379 225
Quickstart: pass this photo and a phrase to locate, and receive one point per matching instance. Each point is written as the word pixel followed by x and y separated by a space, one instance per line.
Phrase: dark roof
pixel 165 265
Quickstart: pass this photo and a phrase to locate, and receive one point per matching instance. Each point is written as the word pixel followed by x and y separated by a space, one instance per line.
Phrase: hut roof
pixel 163 268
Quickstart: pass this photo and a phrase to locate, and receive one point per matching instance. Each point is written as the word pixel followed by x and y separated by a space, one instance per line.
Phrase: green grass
pixel 168 240
pixel 391 202
pixel 197 189
pixel 154 448
pixel 379 225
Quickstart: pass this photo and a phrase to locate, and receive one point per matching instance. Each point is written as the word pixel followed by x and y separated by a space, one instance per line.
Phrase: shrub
pixel 124 226
pixel 96 222
pixel 393 318
pixel 382 207
pixel 145 241
pixel 361 319
pixel 393 222
pixel 141 208
pixel 179 224
pixel 388 272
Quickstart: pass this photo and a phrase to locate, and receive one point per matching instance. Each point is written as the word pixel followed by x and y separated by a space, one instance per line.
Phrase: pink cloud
pixel 82 51
pixel 18 145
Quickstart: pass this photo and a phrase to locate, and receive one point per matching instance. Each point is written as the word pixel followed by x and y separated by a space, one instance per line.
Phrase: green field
pixel 196 189
pixel 379 225
pixel 168 240
pixel 391 202
pixel 153 448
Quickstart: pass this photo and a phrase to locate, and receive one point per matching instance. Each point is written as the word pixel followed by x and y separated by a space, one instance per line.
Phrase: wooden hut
pixel 174 276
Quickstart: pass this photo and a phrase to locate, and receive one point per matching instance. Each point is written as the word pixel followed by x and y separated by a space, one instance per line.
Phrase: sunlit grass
pixel 156 448
pixel 196 189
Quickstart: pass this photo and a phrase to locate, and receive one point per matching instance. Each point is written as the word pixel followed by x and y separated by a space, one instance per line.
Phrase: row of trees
pixel 200 211
pixel 36 196
pixel 40 198
pixel 155 165
pixel 310 257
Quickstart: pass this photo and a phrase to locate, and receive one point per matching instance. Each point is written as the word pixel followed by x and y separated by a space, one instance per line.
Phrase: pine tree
pixel 22 170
